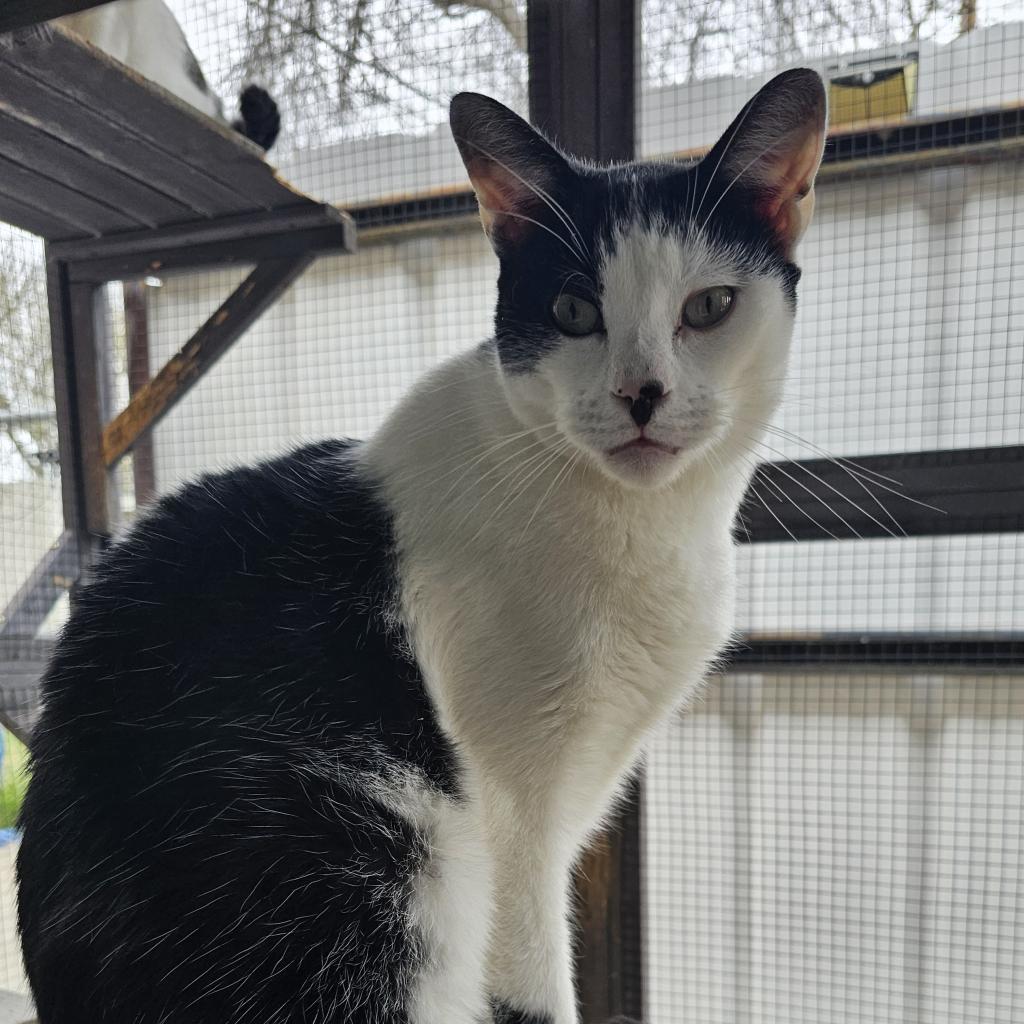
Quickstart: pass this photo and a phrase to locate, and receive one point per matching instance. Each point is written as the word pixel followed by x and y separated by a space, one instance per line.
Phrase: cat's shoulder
pixel 310 519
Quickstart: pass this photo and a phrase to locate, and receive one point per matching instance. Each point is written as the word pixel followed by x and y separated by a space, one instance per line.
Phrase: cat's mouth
pixel 643 444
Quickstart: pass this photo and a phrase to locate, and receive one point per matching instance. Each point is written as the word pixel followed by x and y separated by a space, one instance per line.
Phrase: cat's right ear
pixel 516 173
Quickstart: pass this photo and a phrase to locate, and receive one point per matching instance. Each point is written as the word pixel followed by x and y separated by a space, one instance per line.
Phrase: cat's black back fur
pixel 198 839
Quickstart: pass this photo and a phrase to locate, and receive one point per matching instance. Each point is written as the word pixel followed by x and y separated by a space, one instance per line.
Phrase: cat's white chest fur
pixel 557 617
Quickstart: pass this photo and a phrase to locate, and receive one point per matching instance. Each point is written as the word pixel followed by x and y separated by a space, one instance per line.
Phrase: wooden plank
pixel 246 226
pixel 29 218
pixel 243 251
pixel 34 102
pixel 243 307
pixel 52 577
pixel 241 248
pixel 90 79
pixel 36 187
pixel 34 148
pixel 19 13
pixel 609 934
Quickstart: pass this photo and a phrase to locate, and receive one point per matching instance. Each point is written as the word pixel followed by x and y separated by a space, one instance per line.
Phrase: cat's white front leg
pixel 530 964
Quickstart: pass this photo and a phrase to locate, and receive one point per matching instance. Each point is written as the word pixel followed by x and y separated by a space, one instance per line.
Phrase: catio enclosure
pixel 836 832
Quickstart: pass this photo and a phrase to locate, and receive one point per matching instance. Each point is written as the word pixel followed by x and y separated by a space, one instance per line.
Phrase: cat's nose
pixel 642 399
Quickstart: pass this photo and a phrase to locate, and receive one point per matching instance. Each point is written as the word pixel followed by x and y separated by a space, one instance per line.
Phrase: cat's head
pixel 646 309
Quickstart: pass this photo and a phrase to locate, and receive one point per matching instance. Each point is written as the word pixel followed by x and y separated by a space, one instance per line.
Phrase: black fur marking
pixel 261 120
pixel 537 262
pixel 599 202
pixel 195 841
pixel 506 1014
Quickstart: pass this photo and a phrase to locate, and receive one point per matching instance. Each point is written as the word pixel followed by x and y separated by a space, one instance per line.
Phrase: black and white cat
pixel 324 737
pixel 145 35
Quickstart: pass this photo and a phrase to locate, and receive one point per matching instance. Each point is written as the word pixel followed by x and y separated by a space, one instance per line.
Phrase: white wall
pixel 330 359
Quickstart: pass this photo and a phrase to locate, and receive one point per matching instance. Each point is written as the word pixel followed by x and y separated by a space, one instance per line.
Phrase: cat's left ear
pixel 516 173
pixel 772 152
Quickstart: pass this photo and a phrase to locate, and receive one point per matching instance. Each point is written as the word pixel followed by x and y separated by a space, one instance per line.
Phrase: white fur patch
pixel 145 36
pixel 560 604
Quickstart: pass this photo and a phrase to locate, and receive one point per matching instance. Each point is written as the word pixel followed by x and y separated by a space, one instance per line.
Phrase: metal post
pixel 582 56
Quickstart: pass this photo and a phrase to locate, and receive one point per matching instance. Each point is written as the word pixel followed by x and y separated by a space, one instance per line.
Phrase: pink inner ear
pixel 503 199
pixel 789 176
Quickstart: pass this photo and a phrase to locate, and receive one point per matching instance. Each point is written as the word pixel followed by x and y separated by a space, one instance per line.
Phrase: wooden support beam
pixel 19 13
pixel 582 56
pixel 608 894
pixel 77 397
pixel 247 238
pixel 239 311
pixel 136 319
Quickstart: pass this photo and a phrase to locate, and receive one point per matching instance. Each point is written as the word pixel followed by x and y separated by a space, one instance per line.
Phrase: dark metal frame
pixel 907 494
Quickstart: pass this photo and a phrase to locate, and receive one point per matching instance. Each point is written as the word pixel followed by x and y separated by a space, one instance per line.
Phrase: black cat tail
pixel 260 120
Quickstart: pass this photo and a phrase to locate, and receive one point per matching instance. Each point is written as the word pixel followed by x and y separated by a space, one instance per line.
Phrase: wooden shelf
pixel 92 152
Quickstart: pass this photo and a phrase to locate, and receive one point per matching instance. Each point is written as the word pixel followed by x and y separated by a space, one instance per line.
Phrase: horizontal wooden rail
pixel 912 651
pixel 909 494
pixel 869 149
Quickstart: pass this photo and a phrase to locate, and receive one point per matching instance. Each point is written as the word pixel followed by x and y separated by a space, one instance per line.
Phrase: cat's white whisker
pixel 860 479
pixel 536 223
pixel 734 133
pixel 517 481
pixel 835 490
pixel 542 443
pixel 568 467
pixel 555 207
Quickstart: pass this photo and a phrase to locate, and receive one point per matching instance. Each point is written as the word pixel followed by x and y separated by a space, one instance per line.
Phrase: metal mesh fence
pixel 839 844
pixel 846 846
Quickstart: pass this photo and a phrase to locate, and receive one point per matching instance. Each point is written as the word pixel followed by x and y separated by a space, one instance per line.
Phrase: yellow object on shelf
pixel 872 95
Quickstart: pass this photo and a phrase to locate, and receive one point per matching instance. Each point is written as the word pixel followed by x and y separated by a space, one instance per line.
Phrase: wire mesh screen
pixel 364 91
pixel 841 847
pixel 847 846
pixel 828 845
pixel 30 528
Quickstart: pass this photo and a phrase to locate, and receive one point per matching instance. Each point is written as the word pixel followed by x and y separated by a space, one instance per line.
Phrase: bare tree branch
pixel 504 11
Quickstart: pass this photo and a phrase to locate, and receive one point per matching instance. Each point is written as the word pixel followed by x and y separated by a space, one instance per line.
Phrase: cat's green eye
pixel 575 315
pixel 708 307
